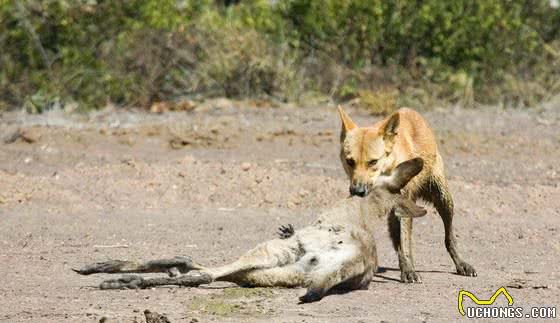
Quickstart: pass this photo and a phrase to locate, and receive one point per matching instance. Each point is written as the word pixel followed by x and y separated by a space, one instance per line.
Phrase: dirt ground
pixel 212 183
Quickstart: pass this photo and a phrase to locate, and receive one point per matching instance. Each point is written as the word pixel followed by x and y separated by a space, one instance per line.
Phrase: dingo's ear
pixel 347 123
pixel 402 174
pixel 389 131
pixel 405 208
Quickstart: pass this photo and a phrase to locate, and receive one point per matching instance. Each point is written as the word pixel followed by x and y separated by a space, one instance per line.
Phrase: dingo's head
pixel 366 153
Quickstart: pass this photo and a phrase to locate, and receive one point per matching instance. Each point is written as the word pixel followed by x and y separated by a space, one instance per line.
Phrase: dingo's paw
pixel 410 277
pixel 464 269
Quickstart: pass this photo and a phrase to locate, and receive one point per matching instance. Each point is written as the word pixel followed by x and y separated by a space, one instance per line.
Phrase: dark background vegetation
pixel 417 52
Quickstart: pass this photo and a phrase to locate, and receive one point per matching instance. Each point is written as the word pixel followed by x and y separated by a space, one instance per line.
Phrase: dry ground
pixel 211 184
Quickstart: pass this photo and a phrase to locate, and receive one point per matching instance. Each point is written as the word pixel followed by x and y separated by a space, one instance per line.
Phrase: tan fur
pixel 401 136
pixel 336 251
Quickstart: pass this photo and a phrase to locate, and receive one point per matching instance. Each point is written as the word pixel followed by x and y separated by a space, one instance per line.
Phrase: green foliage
pixel 135 52
pixel 482 38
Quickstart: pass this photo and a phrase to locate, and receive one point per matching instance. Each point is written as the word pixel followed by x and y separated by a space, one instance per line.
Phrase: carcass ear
pixel 347 123
pixel 401 175
pixel 405 208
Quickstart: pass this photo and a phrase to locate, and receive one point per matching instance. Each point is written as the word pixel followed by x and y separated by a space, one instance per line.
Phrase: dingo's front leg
pixel 400 230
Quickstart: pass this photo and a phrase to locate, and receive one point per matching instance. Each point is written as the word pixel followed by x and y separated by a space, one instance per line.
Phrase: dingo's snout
pixel 359 189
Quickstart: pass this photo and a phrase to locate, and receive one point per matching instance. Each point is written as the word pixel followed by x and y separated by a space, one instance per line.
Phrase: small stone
pixel 30 135
pixel 159 107
pixel 245 166
pixel 155 317
pixel 183 105
pixel 268 199
pixel 188 159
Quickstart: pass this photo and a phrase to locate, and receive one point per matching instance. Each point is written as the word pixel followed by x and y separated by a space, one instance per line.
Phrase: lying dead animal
pixel 337 251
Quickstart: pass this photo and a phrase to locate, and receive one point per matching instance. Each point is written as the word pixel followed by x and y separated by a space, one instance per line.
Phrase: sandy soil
pixel 213 183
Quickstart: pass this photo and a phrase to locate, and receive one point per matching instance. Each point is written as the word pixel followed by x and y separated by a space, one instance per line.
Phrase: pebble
pixel 245 166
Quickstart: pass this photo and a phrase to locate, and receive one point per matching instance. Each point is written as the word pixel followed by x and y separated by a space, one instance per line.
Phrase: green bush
pixel 434 39
pixel 135 52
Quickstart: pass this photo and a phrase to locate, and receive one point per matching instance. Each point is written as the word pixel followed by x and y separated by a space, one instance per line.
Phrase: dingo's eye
pixel 372 162
pixel 350 162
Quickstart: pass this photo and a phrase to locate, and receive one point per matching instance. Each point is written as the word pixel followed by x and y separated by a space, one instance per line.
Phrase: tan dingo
pixel 368 152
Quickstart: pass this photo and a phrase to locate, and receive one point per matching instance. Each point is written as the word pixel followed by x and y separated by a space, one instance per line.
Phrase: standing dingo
pixel 368 152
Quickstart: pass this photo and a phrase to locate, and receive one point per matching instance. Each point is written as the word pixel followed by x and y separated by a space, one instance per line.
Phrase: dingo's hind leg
pixel 438 194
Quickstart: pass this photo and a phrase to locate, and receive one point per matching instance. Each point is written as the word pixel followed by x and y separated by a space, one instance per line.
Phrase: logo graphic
pixel 477 301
